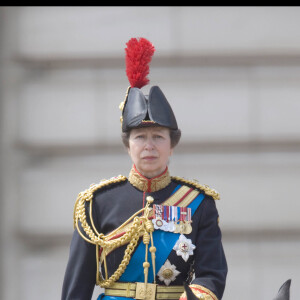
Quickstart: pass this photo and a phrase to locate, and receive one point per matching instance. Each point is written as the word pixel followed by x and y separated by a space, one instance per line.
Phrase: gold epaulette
pixel 201 187
pixel 87 196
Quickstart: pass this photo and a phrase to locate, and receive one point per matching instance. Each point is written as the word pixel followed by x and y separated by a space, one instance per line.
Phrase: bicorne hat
pixel 140 110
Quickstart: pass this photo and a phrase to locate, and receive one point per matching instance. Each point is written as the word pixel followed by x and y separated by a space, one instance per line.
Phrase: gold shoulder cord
pixel 139 225
pixel 203 187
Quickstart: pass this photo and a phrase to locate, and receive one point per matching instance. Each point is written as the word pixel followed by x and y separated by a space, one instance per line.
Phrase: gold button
pixel 150 199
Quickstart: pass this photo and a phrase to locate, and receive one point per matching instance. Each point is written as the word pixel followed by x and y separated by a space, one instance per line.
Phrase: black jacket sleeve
pixel 210 262
pixel 80 275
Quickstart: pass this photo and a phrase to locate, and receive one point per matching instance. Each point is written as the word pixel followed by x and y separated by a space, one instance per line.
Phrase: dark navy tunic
pixel 114 204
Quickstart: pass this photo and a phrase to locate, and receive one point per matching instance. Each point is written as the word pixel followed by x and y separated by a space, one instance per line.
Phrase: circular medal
pixel 158 223
pixel 188 228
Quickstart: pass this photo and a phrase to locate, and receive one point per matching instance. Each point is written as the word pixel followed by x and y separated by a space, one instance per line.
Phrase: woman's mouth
pixel 149 158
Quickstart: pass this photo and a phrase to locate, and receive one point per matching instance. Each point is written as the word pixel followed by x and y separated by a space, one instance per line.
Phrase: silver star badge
pixel 184 247
pixel 167 273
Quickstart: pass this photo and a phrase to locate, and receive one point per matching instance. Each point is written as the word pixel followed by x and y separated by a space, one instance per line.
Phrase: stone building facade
pixel 232 76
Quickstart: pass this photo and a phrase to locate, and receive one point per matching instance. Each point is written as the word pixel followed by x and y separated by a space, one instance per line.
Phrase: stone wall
pixel 232 76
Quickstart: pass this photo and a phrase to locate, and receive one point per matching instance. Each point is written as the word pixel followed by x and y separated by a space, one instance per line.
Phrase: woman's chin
pixel 151 172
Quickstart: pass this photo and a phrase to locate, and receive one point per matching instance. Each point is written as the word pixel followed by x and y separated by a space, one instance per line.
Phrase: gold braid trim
pixel 209 294
pixel 91 235
pixel 201 292
pixel 142 183
pixel 204 188
pixel 122 104
pixel 135 235
pixel 87 195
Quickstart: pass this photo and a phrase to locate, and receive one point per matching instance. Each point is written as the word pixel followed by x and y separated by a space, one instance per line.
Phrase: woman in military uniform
pixel 144 236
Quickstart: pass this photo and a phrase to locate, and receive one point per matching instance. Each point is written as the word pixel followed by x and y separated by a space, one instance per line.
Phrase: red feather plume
pixel 139 53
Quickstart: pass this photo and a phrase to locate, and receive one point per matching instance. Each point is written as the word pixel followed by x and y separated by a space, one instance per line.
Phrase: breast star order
pixel 184 247
pixel 167 273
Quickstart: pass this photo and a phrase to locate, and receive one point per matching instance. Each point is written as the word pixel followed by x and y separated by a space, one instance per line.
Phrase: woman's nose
pixel 149 144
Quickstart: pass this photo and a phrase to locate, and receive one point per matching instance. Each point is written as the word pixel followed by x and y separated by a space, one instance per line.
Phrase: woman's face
pixel 150 149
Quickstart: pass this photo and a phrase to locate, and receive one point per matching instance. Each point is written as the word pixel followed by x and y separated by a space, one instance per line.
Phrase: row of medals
pixel 181 224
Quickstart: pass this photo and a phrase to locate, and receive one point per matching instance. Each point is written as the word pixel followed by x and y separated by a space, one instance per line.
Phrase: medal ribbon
pixel 171 213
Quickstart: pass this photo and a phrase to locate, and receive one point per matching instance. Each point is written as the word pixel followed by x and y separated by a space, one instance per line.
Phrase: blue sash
pixel 165 240
pixel 103 297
